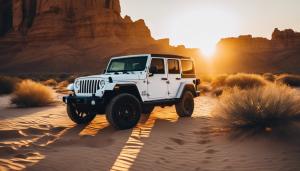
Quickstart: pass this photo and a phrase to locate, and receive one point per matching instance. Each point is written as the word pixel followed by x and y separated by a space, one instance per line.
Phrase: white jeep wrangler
pixel 132 85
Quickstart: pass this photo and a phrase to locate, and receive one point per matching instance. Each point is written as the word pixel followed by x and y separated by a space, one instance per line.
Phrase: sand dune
pixel 45 139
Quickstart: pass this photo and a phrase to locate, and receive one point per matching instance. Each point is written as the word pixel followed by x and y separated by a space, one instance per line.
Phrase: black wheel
pixel 80 117
pixel 185 107
pixel 147 109
pixel 123 111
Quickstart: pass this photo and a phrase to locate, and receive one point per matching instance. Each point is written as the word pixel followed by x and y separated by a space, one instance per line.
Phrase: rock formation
pixel 71 36
pixel 249 54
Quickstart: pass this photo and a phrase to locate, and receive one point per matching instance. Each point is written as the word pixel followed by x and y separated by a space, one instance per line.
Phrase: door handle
pixel 165 79
pixel 178 78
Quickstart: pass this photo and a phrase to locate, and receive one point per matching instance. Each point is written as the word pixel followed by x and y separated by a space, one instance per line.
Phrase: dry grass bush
pixel 261 107
pixel 219 81
pixel 50 82
pixel 62 87
pixel 8 84
pixel 225 82
pixel 63 84
pixel 291 80
pixel 245 81
pixel 269 77
pixel 32 94
pixel 218 91
pixel 204 88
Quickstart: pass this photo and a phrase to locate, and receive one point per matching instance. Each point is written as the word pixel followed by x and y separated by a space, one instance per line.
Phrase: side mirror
pixel 104 71
pixel 152 70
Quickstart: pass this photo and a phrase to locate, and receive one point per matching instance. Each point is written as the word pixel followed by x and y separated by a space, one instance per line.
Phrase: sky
pixel 202 23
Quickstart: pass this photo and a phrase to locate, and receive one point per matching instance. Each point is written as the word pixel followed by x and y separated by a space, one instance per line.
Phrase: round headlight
pixel 102 83
pixel 77 84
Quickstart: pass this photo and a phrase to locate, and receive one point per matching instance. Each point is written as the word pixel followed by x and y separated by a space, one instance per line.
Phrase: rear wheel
pixel 123 111
pixel 80 117
pixel 148 109
pixel 185 107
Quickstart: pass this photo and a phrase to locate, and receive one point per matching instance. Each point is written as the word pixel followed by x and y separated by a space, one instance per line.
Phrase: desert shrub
pixel 260 107
pixel 245 81
pixel 269 77
pixel 62 87
pixel 219 81
pixel 63 84
pixel 32 94
pixel 204 88
pixel 218 91
pixel 291 80
pixel 50 82
pixel 8 84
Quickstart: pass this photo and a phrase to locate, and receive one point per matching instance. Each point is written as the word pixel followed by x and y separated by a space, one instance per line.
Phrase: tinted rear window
pixel 173 66
pixel 187 67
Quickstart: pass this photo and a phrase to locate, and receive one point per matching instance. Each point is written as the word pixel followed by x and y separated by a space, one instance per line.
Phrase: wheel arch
pixel 123 88
pixel 186 87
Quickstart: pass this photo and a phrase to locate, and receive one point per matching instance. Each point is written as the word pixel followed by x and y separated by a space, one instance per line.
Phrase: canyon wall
pixel 72 36
pixel 258 55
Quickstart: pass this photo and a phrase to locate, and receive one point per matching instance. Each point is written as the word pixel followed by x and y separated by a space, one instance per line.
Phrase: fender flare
pixel 184 87
pixel 130 88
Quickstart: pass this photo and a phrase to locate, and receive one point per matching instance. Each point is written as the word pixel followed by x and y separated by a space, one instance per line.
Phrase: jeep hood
pixel 115 77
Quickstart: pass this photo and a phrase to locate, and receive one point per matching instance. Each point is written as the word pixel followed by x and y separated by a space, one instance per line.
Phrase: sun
pixel 202 27
pixel 208 51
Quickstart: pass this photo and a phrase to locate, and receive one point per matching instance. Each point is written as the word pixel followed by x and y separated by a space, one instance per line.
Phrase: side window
pixel 187 67
pixel 159 64
pixel 173 66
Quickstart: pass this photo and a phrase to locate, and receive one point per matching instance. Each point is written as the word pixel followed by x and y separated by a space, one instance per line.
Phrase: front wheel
pixel 123 111
pixel 185 107
pixel 80 117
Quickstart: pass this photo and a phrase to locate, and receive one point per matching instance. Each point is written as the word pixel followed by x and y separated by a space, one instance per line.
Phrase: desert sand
pixel 45 139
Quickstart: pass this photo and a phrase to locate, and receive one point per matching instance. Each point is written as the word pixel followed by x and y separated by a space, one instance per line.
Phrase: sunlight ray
pixel 133 146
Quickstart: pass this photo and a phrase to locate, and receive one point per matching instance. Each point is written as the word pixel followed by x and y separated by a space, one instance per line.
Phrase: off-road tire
pixel 147 109
pixel 123 111
pixel 80 117
pixel 185 107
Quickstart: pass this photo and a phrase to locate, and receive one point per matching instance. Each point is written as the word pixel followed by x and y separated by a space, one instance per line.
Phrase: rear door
pixel 157 81
pixel 174 77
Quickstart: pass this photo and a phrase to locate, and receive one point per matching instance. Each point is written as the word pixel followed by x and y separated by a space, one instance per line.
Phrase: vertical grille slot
pixel 94 86
pixel 88 86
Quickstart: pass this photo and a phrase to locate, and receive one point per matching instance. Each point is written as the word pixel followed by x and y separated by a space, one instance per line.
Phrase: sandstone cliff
pixel 249 54
pixel 72 36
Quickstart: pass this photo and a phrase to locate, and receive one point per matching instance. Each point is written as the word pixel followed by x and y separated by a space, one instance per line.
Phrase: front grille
pixel 89 86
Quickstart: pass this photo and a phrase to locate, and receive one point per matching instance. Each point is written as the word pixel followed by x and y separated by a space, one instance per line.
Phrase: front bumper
pixel 197 93
pixel 88 101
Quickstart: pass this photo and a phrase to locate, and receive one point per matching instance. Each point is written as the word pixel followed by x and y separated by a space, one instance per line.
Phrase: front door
pixel 174 77
pixel 157 80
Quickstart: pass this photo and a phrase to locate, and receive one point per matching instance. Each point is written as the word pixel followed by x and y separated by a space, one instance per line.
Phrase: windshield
pixel 127 64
